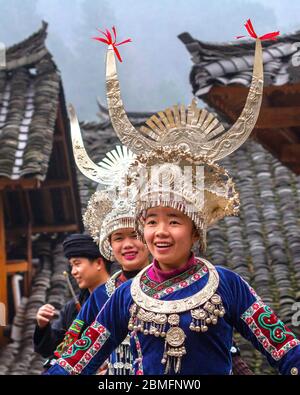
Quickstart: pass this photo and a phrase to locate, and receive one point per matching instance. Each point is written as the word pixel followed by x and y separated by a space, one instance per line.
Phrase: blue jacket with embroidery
pixel 81 321
pixel 45 340
pixel 93 305
pixel 206 353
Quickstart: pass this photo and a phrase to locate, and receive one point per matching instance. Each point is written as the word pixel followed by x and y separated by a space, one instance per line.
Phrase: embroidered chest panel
pixel 151 315
pixel 183 280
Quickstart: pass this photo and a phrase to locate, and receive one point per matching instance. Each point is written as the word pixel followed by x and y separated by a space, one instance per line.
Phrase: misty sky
pixel 155 69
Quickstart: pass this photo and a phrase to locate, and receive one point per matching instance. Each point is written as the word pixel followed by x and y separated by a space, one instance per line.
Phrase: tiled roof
pixel 29 92
pixel 262 244
pixel 227 64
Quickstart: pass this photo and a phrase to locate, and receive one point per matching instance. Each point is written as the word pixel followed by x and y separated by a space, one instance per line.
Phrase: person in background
pixel 90 269
pixel 113 228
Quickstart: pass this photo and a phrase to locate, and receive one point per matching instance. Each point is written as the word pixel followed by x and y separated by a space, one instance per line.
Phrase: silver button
pixel 294 371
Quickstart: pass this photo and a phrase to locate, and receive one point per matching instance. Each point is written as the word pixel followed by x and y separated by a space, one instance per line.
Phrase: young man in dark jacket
pixel 90 269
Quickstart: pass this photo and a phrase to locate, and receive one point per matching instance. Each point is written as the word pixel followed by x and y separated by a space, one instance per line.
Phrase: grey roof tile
pixel 232 63
pixel 29 94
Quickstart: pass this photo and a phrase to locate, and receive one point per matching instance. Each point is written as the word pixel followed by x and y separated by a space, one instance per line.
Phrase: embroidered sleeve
pixel 258 323
pixel 80 353
pixel 85 317
pixel 72 334
pixel 98 341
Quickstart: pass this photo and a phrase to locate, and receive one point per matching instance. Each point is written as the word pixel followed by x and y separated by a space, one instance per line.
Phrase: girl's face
pixel 128 251
pixel 170 236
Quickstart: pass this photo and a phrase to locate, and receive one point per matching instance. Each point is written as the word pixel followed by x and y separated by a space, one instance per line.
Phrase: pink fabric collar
pixel 156 274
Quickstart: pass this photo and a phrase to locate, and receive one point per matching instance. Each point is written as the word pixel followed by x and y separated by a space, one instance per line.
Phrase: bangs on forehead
pixel 122 231
pixel 171 212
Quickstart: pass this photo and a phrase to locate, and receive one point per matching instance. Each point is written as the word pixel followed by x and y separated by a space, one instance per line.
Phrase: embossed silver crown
pixel 179 137
pixel 112 206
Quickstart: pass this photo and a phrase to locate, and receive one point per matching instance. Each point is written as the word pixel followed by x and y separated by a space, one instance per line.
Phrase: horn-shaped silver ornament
pixel 195 129
pixel 112 168
pixel 83 161
pixel 124 129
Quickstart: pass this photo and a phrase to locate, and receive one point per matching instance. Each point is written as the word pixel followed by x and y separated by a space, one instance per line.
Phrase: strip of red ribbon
pixel 251 31
pixel 112 41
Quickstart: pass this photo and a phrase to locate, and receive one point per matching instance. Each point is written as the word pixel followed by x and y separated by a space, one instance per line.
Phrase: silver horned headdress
pixel 106 213
pixel 179 138
pixel 192 128
pixel 111 207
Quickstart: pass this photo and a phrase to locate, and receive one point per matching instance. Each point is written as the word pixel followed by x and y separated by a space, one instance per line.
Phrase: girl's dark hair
pixel 202 240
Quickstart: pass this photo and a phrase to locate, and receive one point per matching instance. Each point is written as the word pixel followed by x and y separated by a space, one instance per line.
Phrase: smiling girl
pixel 181 310
pixel 119 242
pixel 110 219
pixel 169 235
pixel 130 253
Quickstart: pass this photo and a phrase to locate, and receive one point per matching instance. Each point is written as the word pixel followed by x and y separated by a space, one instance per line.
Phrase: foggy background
pixel 155 69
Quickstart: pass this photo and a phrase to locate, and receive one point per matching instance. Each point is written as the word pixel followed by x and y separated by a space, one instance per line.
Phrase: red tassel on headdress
pixel 110 41
pixel 251 31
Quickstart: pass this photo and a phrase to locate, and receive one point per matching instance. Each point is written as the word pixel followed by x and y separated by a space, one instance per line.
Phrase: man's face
pixel 129 252
pixel 86 271
pixel 169 235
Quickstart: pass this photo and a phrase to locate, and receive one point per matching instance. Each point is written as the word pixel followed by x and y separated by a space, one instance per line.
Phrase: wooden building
pixel 38 183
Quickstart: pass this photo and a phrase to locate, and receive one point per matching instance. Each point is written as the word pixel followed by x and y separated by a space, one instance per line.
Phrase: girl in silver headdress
pixel 110 220
pixel 181 310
